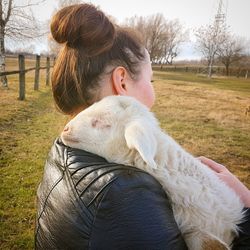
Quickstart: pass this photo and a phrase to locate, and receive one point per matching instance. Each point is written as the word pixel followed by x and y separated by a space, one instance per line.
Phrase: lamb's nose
pixel 66 129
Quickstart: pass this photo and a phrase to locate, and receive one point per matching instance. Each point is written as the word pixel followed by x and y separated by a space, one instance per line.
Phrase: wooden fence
pixel 22 71
pixel 237 72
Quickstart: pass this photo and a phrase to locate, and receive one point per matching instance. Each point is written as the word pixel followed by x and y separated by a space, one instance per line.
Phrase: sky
pixel 191 13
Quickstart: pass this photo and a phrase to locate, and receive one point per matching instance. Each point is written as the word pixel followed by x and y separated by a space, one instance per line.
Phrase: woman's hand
pixel 231 180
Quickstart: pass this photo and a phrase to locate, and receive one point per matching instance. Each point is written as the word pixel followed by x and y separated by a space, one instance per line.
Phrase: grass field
pixel 207 117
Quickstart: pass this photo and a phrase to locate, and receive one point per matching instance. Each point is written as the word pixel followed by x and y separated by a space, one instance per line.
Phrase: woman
pixel 84 202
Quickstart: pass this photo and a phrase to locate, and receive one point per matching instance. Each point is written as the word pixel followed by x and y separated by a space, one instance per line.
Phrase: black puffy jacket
pixel 84 202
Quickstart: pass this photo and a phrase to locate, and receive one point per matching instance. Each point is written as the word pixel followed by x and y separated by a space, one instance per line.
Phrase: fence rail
pixel 22 71
pixel 238 72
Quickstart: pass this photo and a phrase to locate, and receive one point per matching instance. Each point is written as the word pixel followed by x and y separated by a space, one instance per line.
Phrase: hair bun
pixel 83 25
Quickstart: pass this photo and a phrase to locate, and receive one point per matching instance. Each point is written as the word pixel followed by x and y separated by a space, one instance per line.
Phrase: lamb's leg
pixel 204 241
pixel 193 241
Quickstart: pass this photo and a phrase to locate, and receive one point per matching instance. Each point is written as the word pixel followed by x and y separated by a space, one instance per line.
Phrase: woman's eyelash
pixel 152 81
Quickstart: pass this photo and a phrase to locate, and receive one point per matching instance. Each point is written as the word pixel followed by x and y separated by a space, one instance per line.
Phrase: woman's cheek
pixel 152 97
pixel 149 95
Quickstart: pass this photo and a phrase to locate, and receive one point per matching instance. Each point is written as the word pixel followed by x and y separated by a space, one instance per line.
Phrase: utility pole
pixel 219 22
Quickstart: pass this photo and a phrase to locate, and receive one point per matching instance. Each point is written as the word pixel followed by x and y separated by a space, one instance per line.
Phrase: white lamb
pixel 124 131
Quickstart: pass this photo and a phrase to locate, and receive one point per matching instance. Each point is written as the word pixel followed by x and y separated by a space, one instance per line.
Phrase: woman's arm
pixel 242 242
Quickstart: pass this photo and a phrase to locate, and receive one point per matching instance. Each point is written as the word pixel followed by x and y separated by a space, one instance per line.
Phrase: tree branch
pixel 8 12
pixel 29 4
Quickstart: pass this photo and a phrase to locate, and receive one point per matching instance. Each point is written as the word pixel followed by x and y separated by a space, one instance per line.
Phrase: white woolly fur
pixel 124 131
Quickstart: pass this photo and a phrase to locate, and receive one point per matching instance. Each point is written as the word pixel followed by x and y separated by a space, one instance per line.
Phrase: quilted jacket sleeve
pixel 242 242
pixel 136 214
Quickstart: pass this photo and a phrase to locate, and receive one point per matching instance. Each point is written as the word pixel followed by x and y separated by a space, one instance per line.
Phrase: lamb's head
pixel 114 128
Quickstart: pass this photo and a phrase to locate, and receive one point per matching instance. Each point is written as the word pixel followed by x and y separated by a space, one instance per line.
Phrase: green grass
pixel 206 117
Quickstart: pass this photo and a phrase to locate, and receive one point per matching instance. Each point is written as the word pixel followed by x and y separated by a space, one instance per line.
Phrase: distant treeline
pixel 218 70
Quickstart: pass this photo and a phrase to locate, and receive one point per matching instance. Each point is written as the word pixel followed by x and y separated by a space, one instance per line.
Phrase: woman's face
pixel 142 88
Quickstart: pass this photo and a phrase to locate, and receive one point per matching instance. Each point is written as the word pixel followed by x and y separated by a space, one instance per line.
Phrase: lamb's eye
pixel 100 124
pixel 152 81
pixel 94 122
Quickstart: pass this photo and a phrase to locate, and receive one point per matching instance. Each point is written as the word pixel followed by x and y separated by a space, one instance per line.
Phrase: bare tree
pixel 245 63
pixel 161 37
pixel 64 3
pixel 17 22
pixel 174 36
pixel 156 33
pixel 209 40
pixel 231 51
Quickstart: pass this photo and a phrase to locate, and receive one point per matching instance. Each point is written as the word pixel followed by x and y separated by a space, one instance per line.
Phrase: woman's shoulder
pixel 82 187
pixel 127 203
pixel 90 173
pixel 80 163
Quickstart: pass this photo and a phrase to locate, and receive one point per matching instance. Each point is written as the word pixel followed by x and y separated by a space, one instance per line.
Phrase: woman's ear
pixel 120 80
pixel 141 139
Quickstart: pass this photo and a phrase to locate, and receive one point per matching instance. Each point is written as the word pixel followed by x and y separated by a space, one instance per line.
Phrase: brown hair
pixel 91 43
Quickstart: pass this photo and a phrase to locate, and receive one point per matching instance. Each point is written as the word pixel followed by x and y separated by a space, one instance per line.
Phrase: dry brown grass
pixel 207 118
pixel 12 63
pixel 207 121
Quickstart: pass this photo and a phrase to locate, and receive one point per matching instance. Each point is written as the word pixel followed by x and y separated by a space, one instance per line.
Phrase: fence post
pixel 246 75
pixel 37 71
pixel 21 77
pixel 47 71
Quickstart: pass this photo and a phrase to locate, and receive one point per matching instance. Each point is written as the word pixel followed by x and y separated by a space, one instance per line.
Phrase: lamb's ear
pixel 141 139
